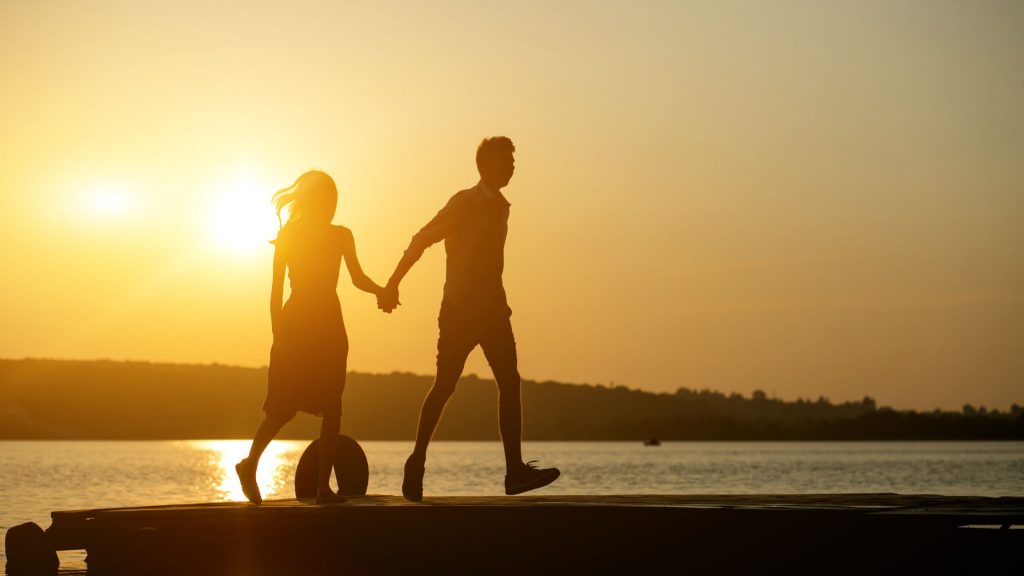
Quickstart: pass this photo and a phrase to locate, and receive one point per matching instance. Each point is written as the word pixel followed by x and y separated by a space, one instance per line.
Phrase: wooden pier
pixel 801 534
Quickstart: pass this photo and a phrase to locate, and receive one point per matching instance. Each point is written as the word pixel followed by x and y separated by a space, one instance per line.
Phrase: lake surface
pixel 39 477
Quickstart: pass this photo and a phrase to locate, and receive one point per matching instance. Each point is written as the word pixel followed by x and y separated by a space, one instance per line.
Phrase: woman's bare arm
pixel 359 278
pixel 277 287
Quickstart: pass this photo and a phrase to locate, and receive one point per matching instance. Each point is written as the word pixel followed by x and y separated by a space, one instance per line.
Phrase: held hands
pixel 387 300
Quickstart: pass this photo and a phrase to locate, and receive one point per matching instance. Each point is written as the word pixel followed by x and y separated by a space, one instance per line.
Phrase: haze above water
pixel 37 478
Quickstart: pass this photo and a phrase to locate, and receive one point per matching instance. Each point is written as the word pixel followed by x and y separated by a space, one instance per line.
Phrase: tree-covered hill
pixel 139 400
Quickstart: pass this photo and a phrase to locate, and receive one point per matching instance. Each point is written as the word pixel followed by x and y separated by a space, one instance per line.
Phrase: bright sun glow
pixel 242 218
pixel 106 201
pixel 271 476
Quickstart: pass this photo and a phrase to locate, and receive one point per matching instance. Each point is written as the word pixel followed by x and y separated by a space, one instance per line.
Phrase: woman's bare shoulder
pixel 342 233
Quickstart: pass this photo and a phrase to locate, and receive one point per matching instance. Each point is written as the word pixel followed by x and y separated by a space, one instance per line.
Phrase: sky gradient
pixel 804 198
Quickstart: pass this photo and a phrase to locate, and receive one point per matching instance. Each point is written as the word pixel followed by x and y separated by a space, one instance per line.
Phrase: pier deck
pixel 840 533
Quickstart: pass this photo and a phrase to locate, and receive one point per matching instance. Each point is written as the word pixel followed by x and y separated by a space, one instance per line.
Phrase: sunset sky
pixel 802 197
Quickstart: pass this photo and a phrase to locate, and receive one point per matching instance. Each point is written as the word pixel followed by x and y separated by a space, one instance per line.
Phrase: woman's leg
pixel 330 427
pixel 271 425
pixel 246 469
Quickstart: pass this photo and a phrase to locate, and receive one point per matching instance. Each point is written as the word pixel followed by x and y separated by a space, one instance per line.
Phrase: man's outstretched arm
pixel 435 231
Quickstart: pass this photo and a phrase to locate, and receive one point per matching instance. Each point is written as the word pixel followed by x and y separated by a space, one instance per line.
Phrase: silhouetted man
pixel 474 311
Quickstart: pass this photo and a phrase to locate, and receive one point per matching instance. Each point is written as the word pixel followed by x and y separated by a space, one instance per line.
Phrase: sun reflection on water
pixel 272 475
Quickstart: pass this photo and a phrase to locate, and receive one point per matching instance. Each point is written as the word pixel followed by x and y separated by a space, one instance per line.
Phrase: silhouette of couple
pixel 310 350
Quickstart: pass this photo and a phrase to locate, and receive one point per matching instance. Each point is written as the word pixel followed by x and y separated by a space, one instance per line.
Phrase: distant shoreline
pixel 109 400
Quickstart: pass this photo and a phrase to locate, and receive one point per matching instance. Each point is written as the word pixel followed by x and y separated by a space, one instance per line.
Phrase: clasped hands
pixel 387 299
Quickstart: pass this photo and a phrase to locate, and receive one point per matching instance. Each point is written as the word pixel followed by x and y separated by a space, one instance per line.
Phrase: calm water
pixel 38 477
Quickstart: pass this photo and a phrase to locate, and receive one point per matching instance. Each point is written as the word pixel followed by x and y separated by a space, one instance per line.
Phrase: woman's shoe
pixel 412 482
pixel 247 476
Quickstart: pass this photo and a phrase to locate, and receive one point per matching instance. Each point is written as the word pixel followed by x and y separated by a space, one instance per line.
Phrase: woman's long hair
pixel 312 197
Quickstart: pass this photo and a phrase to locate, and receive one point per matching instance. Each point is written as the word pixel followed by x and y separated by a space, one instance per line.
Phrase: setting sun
pixel 106 201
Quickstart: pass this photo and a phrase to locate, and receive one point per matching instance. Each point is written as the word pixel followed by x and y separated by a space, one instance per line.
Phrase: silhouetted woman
pixel 310 351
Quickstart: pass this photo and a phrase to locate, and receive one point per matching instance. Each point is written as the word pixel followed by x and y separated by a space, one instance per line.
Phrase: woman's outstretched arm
pixel 359 278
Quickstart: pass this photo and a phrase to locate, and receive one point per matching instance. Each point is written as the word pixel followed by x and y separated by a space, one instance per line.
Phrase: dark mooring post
pixel 29 552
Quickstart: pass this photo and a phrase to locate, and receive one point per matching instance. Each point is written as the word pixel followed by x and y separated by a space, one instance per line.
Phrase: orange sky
pixel 806 199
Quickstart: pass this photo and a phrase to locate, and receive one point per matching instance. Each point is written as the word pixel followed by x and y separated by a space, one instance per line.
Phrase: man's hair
pixel 491 148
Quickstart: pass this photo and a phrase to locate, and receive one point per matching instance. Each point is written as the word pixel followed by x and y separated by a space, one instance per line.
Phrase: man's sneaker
pixel 529 477
pixel 412 483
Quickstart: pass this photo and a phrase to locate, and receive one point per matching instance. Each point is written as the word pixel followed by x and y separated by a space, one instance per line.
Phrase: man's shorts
pixel 462 330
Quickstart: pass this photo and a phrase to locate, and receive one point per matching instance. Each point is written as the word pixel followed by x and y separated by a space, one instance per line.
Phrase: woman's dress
pixel 308 359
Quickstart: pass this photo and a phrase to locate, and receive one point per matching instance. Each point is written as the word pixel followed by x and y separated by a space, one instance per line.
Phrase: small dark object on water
pixel 652 442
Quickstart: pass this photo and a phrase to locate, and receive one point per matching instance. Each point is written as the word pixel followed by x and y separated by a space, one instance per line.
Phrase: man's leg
pixel 499 345
pixel 448 374
pixel 454 344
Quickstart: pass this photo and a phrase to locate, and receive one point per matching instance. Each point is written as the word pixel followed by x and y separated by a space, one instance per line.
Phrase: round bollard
pixel 350 469
pixel 29 552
